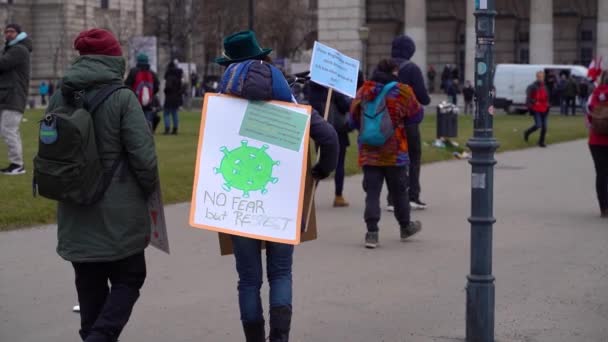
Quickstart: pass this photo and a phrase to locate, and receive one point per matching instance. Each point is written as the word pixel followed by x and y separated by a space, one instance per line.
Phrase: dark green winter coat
pixel 15 74
pixel 119 225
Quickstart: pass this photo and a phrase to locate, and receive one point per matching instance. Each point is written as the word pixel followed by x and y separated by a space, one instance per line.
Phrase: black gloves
pixel 318 173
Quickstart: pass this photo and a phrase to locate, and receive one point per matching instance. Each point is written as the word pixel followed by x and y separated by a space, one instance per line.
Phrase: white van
pixel 512 80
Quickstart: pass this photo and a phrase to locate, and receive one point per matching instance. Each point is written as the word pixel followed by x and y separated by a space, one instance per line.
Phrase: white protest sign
pixel 251 168
pixel 156 209
pixel 334 70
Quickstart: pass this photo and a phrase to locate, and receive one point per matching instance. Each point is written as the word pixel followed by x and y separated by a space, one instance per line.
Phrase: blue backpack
pixel 376 124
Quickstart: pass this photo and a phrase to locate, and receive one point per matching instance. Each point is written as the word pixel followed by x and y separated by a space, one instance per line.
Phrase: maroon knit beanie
pixel 97 42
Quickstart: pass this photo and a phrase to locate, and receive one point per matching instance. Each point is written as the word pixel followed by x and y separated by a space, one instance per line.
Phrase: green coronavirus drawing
pixel 247 168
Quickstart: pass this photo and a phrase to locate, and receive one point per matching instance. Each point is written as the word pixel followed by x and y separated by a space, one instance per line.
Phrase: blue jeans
pixel 279 259
pixel 168 114
pixel 540 122
pixel 150 118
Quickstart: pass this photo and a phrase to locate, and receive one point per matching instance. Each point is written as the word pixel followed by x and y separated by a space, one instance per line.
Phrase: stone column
pixel 415 27
pixel 139 17
pixel 541 31
pixel 89 15
pixel 602 30
pixel 339 23
pixel 469 55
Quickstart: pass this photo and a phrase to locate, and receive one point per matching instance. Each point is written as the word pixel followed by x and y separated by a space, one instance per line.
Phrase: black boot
pixel 174 132
pixel 280 322
pixel 527 135
pixel 254 332
pixel 543 134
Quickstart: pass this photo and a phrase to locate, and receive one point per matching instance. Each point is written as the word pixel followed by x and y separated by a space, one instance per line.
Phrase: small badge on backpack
pixel 48 130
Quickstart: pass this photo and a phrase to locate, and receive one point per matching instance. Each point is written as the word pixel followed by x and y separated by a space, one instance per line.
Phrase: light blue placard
pixel 333 69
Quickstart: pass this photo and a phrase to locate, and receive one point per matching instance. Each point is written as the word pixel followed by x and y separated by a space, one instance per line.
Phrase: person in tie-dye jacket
pixel 388 162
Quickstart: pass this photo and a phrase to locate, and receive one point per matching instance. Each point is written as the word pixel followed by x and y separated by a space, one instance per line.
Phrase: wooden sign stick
pixel 316 183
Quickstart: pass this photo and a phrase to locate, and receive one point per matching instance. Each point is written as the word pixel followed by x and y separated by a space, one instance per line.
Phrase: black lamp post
pixel 480 281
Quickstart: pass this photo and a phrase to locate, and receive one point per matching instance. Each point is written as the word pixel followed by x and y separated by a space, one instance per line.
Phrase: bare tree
pixel 193 30
pixel 56 47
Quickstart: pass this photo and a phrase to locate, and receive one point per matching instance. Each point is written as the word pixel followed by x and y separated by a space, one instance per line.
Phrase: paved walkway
pixel 551 266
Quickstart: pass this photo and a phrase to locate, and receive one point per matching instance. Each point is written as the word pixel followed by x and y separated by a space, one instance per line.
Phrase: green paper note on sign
pixel 274 125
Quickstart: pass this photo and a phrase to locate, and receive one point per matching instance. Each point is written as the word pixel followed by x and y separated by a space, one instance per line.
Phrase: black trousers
pixel 600 159
pixel 105 311
pixel 396 180
pixel 415 154
pixel 570 104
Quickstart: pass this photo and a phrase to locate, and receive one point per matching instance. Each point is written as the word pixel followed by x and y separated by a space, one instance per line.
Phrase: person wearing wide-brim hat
pixel 241 46
pixel 248 78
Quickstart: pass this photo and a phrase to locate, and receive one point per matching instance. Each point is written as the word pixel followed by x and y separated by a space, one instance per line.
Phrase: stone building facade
pixel 527 31
pixel 53 25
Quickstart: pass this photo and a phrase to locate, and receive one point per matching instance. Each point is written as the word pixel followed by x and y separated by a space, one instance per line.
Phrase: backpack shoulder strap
pixel 388 87
pixel 102 96
pixel 280 87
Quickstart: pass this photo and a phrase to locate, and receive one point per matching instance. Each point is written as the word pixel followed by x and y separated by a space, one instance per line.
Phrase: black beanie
pixel 15 27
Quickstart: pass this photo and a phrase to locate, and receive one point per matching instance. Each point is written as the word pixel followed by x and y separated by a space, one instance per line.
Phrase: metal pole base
pixel 480 309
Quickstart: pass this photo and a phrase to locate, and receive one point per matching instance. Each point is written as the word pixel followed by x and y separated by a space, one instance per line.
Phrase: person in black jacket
pixel 409 73
pixel 174 92
pixel 339 108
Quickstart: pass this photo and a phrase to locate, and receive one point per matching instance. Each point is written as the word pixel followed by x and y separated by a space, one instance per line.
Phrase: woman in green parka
pixel 105 241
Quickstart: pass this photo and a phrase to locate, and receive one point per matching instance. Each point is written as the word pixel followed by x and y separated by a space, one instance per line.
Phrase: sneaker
pixel 542 145
pixel 13 170
pixel 412 228
pixel 371 240
pixel 340 202
pixel 390 208
pixel 417 205
pixel 76 308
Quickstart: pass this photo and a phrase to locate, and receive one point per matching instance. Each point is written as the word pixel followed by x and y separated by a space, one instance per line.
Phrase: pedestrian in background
pixel 338 118
pixel 51 88
pixel 431 74
pixel 43 90
pixel 105 241
pixel 388 162
pixel 598 141
pixel 537 99
pixel 174 97
pixel 14 89
pixel 453 91
pixel 560 90
pixel 468 93
pixel 584 90
pixel 144 83
pixel 261 82
pixel 570 94
pixel 403 49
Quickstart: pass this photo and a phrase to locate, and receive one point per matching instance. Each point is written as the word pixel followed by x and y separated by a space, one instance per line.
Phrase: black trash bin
pixel 447 120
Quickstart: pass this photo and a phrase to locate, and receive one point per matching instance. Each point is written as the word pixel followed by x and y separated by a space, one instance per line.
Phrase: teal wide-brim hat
pixel 241 46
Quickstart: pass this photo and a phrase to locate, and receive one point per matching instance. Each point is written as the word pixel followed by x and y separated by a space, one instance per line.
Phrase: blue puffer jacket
pixel 402 51
pixel 260 81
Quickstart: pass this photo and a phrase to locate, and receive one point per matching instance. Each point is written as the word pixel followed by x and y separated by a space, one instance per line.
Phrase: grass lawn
pixel 177 154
